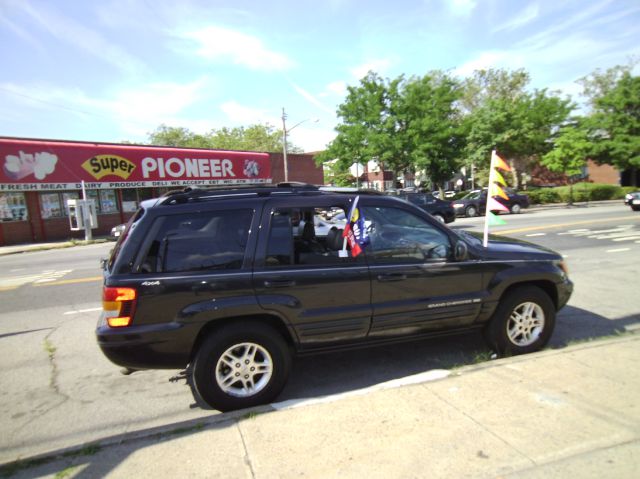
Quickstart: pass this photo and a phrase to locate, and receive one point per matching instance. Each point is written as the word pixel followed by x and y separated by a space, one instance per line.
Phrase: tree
pixel 571 149
pixel 368 126
pixel 615 125
pixel 402 124
pixel 252 138
pixel 430 124
pixel 517 123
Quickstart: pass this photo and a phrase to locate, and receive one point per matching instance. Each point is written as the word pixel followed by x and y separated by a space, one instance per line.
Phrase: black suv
pixel 231 283
pixel 439 209
pixel 475 202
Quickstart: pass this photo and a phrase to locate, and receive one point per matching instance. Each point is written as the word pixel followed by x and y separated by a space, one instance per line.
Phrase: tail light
pixel 118 305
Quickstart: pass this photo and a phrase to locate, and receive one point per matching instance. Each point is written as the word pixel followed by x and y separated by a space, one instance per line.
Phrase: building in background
pixel 38 177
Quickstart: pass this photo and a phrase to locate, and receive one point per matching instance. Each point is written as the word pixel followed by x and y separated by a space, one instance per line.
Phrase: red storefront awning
pixel 28 165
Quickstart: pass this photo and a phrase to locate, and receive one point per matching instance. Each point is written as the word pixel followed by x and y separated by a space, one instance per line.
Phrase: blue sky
pixel 114 70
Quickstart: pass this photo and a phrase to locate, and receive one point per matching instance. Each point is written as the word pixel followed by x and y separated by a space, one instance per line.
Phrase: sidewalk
pixel 559 413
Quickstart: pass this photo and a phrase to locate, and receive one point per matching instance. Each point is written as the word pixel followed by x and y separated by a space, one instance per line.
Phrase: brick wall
pixel 301 167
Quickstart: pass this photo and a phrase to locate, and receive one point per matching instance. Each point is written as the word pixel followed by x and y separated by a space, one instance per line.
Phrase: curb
pixel 160 432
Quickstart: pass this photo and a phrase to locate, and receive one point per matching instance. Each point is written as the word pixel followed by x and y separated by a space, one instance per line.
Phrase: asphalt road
pixel 59 391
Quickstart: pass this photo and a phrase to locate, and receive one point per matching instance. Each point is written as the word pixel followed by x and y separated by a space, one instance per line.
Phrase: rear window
pixel 123 237
pixel 202 241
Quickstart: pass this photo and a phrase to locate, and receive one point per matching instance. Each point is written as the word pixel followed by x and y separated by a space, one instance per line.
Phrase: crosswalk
pixel 618 234
pixel 13 282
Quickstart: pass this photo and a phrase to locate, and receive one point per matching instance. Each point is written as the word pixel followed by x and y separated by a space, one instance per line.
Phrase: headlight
pixel 563 266
pixel 457 205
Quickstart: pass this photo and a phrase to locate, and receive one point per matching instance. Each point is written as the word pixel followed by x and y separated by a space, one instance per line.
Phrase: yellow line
pixel 69 281
pixel 563 225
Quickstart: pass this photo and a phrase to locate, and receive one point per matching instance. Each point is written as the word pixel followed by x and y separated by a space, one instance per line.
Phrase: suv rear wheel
pixel 523 321
pixel 241 365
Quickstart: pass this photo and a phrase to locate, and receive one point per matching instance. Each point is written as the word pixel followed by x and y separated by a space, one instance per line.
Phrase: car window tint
pixel 198 242
pixel 397 235
pixel 306 236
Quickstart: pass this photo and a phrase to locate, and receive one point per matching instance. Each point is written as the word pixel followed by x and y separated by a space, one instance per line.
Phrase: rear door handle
pixel 392 277
pixel 279 283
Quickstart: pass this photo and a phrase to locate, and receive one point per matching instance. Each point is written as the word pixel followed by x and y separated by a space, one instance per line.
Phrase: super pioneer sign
pixel 47 164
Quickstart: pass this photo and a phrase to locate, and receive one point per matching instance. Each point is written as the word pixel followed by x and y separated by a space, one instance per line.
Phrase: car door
pixel 324 297
pixel 417 285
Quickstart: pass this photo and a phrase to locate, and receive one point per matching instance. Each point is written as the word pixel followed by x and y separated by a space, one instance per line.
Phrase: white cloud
pixel 529 14
pixel 217 43
pixel 311 98
pixel 337 88
pixel 133 111
pixel 461 8
pixel 379 66
pixel 80 37
pixel 247 115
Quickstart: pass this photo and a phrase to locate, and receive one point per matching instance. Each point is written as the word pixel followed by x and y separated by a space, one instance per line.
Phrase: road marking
pixel 627 238
pixel 536 234
pixel 561 225
pixel 618 250
pixel 70 281
pixel 80 311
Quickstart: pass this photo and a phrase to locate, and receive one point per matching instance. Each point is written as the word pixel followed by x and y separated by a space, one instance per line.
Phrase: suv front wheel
pixel 241 365
pixel 523 321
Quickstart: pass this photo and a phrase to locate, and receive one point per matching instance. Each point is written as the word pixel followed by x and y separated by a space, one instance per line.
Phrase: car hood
pixel 502 247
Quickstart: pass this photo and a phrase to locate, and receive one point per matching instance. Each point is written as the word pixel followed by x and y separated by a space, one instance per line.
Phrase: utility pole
pixel 284 146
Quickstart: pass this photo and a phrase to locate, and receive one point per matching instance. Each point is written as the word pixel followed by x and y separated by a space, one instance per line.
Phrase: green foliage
pixel 615 124
pixel 544 196
pixel 503 115
pixel 404 125
pixel 578 192
pixel 571 150
pixel 252 138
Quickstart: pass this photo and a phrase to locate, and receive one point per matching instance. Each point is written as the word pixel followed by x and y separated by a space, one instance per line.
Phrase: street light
pixel 285 132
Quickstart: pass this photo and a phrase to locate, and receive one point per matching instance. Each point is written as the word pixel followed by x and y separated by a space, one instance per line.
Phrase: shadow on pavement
pixel 315 376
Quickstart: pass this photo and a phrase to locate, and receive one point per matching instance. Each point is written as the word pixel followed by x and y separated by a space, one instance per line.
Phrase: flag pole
pixel 492 175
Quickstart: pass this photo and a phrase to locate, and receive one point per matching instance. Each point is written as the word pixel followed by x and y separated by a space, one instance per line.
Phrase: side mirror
pixel 461 252
pixel 103 263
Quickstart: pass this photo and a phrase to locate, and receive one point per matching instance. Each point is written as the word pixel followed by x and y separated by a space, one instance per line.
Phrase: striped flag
pixel 496 182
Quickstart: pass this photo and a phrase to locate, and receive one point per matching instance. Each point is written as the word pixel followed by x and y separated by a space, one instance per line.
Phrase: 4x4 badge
pixel 150 283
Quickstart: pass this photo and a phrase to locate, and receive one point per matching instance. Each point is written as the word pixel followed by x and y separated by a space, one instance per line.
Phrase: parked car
pixel 439 209
pixel 219 282
pixel 117 231
pixel 633 200
pixel 475 202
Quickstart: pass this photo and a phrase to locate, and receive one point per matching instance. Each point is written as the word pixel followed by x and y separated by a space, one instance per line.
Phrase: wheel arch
pixel 548 287
pixel 274 322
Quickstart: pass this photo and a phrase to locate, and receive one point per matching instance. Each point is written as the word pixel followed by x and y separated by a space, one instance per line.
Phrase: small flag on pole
pixel 495 189
pixel 355 231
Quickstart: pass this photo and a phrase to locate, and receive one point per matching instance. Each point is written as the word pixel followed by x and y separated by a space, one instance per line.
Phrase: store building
pixel 38 177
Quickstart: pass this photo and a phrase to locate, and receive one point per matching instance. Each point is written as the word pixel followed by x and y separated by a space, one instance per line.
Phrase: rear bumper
pixel 157 346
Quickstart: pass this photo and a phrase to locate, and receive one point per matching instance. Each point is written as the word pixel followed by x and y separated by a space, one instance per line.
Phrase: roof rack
pixel 191 193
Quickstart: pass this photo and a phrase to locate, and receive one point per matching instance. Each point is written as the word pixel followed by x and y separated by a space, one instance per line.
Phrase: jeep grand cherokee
pixel 231 283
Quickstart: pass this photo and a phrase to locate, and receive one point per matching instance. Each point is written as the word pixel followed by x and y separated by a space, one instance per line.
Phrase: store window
pixel 54 205
pixel 105 201
pixel 13 207
pixel 132 198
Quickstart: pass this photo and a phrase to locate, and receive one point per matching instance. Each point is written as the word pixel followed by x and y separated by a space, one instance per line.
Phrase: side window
pixel 397 235
pixel 307 237
pixel 198 242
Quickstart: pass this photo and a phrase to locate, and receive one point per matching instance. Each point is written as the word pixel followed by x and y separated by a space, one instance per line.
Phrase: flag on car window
pixel 355 230
pixel 496 182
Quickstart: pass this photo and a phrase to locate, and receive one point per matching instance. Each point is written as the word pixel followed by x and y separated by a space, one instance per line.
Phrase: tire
pixel 471 211
pixel 252 352
pixel 439 217
pixel 522 323
pixel 635 207
pixel 515 209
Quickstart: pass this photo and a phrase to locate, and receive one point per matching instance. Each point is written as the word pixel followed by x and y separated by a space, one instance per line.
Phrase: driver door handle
pixel 279 284
pixel 392 277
